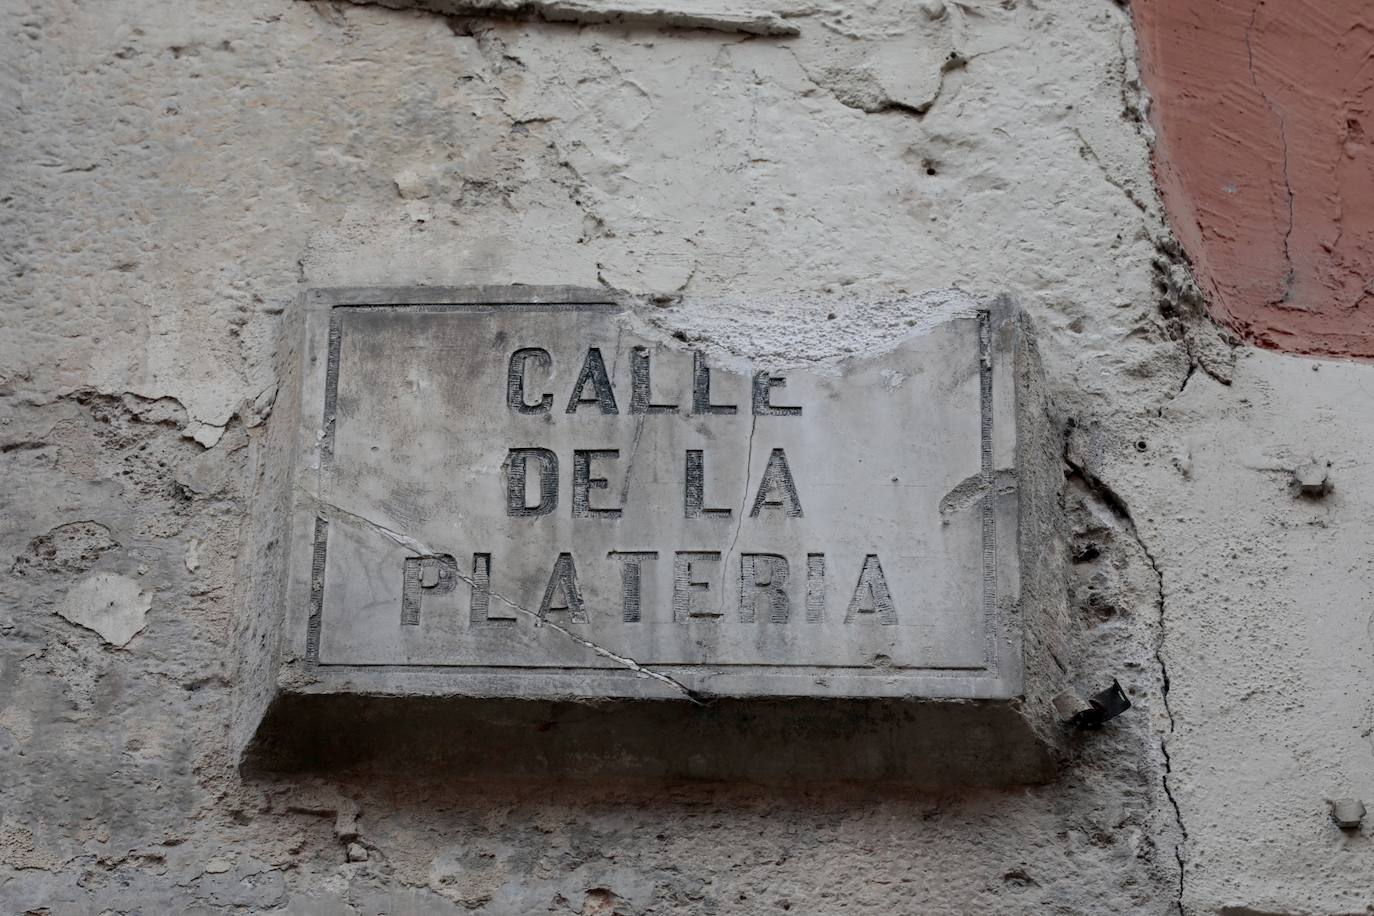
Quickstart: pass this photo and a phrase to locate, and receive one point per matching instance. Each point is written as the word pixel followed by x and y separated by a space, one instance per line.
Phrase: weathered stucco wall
pixel 175 173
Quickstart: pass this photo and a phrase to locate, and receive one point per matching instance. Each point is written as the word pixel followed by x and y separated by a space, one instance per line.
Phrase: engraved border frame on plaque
pixel 321 327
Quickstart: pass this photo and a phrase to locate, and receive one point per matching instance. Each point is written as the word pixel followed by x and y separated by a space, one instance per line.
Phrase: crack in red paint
pixel 1263 164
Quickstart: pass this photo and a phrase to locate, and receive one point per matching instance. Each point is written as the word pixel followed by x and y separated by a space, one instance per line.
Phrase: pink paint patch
pixel 1264 113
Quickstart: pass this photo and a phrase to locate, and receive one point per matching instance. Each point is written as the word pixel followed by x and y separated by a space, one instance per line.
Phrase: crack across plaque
pixel 413 544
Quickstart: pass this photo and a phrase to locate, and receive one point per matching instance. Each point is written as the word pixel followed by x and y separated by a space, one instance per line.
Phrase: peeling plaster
pixel 111 605
pixel 612 12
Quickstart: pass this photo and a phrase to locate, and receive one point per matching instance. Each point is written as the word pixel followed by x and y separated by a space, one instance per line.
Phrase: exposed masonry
pixel 539 619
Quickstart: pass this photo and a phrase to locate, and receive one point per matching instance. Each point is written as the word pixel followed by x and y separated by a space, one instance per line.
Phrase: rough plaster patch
pixel 112 605
pixel 207 473
pixel 18 722
pixel 736 329
pixel 18 849
pixel 248 884
pixel 325 800
pixel 71 547
pixel 411 185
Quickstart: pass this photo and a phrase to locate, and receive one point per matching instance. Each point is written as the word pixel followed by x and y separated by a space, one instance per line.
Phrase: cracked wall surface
pixel 173 174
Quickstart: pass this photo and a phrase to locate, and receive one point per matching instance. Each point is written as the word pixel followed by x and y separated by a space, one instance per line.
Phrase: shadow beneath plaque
pixel 786 741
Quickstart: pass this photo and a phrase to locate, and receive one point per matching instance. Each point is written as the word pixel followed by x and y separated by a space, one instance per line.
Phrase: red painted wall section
pixel 1264 116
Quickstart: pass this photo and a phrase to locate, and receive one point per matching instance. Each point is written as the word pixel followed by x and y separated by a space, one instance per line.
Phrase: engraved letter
pixel 563 585
pixel 815 587
pixel 515 380
pixel 763 396
pixel 594 371
pixel 763 576
pixel 640 395
pixel 684 585
pixel 516 469
pixel 871 595
pixel 436 575
pixel 777 489
pixel 630 579
pixel 584 483
pixel 694 496
pixel 701 389
pixel 481 595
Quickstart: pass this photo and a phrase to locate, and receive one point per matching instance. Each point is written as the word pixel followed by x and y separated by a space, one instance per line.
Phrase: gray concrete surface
pixel 176 174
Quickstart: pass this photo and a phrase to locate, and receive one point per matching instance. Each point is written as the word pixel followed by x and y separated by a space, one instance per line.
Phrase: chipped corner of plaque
pixel 821 330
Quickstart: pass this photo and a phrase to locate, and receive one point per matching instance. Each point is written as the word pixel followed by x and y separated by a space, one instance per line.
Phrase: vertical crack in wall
pixel 1164 693
pixel 1121 511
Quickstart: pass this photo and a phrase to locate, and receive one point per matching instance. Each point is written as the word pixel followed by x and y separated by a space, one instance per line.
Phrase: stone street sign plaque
pixel 531 493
